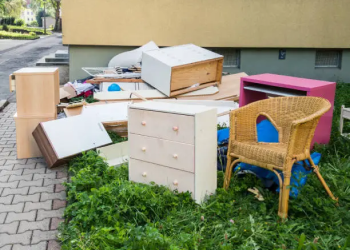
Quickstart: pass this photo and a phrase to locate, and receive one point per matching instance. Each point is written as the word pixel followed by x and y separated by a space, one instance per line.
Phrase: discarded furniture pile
pixel 169 103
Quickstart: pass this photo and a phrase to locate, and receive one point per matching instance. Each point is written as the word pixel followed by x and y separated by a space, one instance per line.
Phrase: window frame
pixel 340 52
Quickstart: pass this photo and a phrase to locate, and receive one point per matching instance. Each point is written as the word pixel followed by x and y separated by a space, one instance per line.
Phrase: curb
pixel 3 104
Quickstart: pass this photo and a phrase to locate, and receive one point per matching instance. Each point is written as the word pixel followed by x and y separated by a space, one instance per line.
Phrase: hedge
pixel 17 36
pixel 26 30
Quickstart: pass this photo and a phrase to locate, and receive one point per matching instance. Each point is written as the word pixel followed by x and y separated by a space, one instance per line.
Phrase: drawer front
pixel 144 172
pixel 167 126
pixel 163 152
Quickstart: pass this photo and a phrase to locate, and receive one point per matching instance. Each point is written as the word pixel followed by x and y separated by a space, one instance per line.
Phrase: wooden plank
pixel 187 90
pixel 219 70
pixel 211 90
pixel 193 74
pixel 229 88
pixel 100 80
pixel 128 95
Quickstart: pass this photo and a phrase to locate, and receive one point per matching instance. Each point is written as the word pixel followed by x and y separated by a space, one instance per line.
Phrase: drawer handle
pixel 175 156
pixel 143 123
pixel 176 183
pixel 144 149
pixel 144 174
pixel 176 128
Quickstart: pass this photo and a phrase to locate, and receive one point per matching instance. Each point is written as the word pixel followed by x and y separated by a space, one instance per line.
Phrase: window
pixel 328 59
pixel 231 56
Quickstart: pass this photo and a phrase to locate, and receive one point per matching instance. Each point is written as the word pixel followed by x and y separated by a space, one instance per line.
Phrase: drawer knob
pixel 175 128
pixel 144 149
pixel 176 183
pixel 144 174
pixel 175 156
pixel 143 123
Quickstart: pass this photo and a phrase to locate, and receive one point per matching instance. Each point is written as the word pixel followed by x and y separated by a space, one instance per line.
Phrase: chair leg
pixel 228 171
pixel 283 210
pixel 324 184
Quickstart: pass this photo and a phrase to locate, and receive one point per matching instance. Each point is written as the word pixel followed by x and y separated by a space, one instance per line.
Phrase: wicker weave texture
pixel 295 119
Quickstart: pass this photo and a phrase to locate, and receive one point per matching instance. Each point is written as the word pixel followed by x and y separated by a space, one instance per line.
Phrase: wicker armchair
pixel 295 119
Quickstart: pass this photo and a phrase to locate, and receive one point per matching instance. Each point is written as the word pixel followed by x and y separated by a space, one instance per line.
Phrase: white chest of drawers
pixel 173 145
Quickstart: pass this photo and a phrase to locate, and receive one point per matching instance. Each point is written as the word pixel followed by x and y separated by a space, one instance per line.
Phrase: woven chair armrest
pixel 314 116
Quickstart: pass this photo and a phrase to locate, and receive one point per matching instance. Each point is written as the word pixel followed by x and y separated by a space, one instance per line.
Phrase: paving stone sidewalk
pixel 32 199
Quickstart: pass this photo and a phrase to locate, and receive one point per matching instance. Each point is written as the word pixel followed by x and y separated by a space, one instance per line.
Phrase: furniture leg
pixel 281 186
pixel 319 176
pixel 283 211
pixel 228 171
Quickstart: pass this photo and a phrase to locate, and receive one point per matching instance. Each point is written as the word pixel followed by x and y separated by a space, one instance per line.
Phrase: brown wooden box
pixel 26 145
pixel 37 91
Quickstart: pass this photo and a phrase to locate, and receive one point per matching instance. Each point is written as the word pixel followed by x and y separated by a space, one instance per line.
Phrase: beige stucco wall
pixel 213 23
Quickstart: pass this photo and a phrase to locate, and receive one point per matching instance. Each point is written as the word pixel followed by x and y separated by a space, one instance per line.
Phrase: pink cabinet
pixel 258 87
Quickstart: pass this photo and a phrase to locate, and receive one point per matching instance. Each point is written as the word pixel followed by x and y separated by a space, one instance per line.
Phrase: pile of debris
pixel 184 80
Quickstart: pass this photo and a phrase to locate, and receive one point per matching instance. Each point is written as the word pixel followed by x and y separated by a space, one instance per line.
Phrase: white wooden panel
pixel 163 152
pixel 179 128
pixel 75 134
pixel 205 155
pixel 127 95
pixel 115 154
pixel 168 107
pixel 346 113
pixel 111 112
pixel 156 73
pixel 277 91
pixel 182 54
pixel 36 70
pixel 144 172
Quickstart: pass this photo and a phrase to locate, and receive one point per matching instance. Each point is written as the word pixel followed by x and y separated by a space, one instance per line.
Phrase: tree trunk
pixel 57 16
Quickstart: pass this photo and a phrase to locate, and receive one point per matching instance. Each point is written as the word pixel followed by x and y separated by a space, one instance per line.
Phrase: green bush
pixel 5 27
pixel 27 30
pixel 17 36
pixel 34 24
pixel 8 21
pixel 19 22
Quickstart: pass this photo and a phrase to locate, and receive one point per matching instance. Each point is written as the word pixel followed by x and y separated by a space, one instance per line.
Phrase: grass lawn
pixel 106 211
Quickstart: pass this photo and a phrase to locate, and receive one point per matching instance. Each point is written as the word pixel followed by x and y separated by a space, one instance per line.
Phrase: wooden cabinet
pixel 37 95
pixel 37 91
pixel 259 87
pixel 173 145
pixel 26 145
pixel 173 70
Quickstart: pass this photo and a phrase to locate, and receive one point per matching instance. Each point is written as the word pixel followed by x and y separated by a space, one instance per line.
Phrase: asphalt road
pixel 23 55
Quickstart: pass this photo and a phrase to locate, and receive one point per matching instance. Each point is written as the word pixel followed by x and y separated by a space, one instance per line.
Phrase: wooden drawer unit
pixel 163 152
pixel 145 172
pixel 162 125
pixel 37 91
pixel 173 70
pixel 174 145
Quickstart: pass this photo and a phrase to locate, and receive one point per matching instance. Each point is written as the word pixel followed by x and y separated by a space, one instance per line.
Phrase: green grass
pixel 17 36
pixel 106 211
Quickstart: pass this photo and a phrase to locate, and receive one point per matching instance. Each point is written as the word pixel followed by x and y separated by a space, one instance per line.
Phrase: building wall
pixel 208 23
pixel 298 62
pixel 28 15
pixel 49 21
